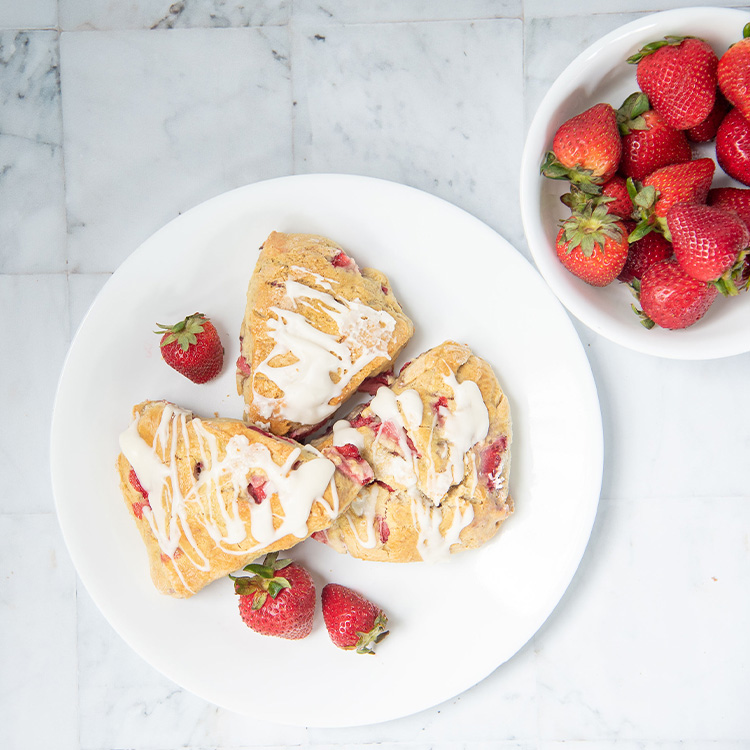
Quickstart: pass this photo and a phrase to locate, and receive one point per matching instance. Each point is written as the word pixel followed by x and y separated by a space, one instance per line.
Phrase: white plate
pixel 451 624
pixel 600 74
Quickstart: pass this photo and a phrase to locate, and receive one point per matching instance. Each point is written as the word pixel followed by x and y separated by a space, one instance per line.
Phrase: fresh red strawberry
pixel 672 299
pixel 643 253
pixel 734 74
pixel 586 149
pixel 593 245
pixel 619 202
pixel 678 74
pixel 278 600
pixel 352 621
pixel 193 348
pixel 706 130
pixel 648 142
pixel 732 199
pixel 710 244
pixel 614 195
pixel 733 146
pixel 688 182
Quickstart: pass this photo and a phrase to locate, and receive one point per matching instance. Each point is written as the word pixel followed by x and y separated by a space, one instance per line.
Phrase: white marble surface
pixel 115 117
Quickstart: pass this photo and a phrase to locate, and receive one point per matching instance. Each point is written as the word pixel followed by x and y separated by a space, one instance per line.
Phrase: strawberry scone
pixel 315 327
pixel 438 441
pixel 211 495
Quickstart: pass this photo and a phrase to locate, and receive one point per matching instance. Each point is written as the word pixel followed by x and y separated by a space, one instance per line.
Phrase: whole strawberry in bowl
pixel 586 149
pixel 710 244
pixel 593 245
pixel 669 107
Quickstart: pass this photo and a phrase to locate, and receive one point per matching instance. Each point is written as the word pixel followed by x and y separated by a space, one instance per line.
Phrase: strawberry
pixel 731 199
pixel 734 74
pixel 352 621
pixel 278 600
pixel 688 182
pixel 709 243
pixel 193 348
pixel 672 299
pixel 593 245
pixel 733 146
pixel 643 253
pixel 585 149
pixel 681 183
pixel 678 74
pixel 614 195
pixel 648 141
pixel 706 130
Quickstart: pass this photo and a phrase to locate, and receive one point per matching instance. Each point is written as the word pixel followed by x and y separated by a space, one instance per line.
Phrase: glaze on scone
pixel 219 493
pixel 315 327
pixel 438 441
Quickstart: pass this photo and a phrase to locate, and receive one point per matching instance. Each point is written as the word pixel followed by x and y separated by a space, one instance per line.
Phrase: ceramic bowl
pixel 601 74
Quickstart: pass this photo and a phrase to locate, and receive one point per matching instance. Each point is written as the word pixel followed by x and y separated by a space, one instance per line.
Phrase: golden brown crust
pixel 421 514
pixel 213 463
pixel 288 265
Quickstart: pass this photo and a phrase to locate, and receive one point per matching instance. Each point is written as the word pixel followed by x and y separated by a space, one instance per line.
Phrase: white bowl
pixel 600 74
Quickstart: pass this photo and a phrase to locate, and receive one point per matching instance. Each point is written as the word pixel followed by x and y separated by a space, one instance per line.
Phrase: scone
pixel 315 327
pixel 438 441
pixel 211 495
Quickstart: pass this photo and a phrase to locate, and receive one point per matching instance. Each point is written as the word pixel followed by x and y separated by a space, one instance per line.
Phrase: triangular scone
pixel 211 495
pixel 438 441
pixel 315 327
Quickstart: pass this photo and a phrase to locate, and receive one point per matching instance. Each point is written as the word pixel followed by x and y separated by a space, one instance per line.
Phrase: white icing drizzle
pixel 432 544
pixel 320 280
pixel 406 408
pixel 364 506
pixel 462 428
pixel 345 434
pixel 307 383
pixel 454 432
pixel 221 488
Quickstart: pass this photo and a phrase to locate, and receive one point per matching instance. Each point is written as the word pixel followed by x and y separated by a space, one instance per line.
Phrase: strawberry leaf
pixel 632 188
pixel 184 333
pixel 629 115
pixel 259 600
pixel 277 585
pixel 366 641
pixel 646 322
pixel 651 47
pixel 552 168
pixel 642 228
pixel 645 197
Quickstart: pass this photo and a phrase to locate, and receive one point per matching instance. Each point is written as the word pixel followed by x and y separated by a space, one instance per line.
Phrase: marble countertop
pixel 115 118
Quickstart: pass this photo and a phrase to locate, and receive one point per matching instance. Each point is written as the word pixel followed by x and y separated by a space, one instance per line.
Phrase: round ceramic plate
pixel 456 279
pixel 600 74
